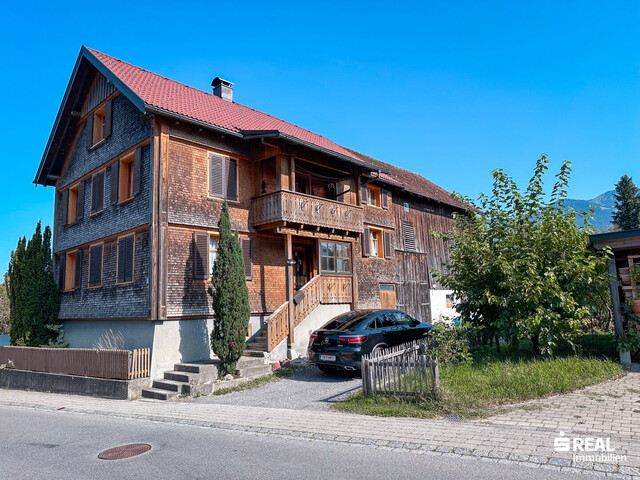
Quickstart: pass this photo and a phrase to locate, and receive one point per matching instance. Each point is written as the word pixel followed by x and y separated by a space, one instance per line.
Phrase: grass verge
pixel 491 383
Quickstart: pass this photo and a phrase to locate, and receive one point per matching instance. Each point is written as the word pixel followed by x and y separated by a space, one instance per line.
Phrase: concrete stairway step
pixel 254 353
pixel 251 371
pixel 178 376
pixel 173 386
pixel 250 361
pixel 159 394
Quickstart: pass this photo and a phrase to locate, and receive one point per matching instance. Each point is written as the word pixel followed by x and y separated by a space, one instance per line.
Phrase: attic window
pixel 98 125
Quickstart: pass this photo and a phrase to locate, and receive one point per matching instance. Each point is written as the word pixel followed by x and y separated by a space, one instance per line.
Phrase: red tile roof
pixel 413 182
pixel 174 97
pixel 166 94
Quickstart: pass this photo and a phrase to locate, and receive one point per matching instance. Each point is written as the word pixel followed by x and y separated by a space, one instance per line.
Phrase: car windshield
pixel 344 322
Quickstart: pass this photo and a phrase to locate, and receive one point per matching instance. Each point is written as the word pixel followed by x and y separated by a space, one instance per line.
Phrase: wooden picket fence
pixel 139 363
pixel 88 362
pixel 404 370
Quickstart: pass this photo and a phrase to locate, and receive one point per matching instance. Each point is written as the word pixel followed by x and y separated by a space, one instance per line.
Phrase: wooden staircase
pixel 201 378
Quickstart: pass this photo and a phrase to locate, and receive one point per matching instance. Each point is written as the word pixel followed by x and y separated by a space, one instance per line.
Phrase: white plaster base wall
pixel 321 315
pixel 85 334
pixel 439 310
pixel 176 341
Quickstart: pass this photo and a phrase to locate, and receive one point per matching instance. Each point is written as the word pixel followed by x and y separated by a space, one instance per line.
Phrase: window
pixel 125 177
pixel 71 270
pixel 125 259
pixel 334 257
pixel 72 205
pixel 376 243
pixel 409 236
pixel 373 194
pixel 406 206
pixel 95 265
pixel 223 177
pixel 125 182
pixel 97 192
pixel 213 252
pixel 449 300
pixel 98 125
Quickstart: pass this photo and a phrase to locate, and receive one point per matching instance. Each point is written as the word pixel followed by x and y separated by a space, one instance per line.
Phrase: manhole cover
pixel 124 451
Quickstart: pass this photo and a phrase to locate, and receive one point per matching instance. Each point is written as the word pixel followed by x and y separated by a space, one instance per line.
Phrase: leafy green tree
pixel 520 262
pixel 626 209
pixel 4 310
pixel 230 297
pixel 34 296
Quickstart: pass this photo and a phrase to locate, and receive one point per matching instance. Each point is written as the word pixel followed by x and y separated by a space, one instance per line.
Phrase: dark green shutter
pixel 200 256
pixel 216 175
pixel 64 205
pixel 232 179
pixel 77 279
pixel 108 108
pixel 80 202
pixel 89 130
pixel 365 242
pixel 137 160
pixel 364 194
pixel 62 264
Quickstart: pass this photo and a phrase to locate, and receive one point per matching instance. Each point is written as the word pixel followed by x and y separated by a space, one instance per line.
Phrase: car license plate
pixel 327 358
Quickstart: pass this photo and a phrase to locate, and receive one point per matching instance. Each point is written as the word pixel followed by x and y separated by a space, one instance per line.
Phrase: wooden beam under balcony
pixel 285 207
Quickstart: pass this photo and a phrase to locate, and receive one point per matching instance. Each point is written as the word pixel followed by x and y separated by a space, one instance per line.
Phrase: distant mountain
pixel 603 209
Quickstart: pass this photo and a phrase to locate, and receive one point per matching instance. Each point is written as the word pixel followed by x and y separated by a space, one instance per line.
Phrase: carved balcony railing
pixel 301 209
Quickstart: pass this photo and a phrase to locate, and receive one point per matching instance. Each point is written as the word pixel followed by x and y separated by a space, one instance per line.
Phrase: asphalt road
pixel 63 445
pixel 307 389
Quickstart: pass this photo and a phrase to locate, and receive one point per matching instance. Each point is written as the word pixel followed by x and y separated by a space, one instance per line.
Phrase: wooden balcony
pixel 282 207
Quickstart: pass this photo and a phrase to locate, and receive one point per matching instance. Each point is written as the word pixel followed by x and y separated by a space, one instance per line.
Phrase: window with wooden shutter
pixel 385 199
pixel 125 259
pixel 200 256
pixel 95 265
pixel 216 175
pixel 247 255
pixel 126 171
pixel 72 205
pixel 409 236
pixel 365 242
pixel 386 242
pixel 89 131
pixel 364 198
pixel 97 192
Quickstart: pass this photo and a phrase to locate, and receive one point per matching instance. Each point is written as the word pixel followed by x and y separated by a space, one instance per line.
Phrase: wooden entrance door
pixel 303 267
pixel 388 296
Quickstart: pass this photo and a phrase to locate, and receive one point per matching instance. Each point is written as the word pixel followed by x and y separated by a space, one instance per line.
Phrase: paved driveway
pixel 307 389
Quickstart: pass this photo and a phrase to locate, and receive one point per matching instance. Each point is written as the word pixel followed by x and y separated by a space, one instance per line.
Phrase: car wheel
pixel 377 349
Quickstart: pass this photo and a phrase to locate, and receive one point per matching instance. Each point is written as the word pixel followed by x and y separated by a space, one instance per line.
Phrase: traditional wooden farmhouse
pixel 141 163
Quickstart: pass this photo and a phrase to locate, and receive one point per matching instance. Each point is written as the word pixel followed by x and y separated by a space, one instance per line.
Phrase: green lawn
pixel 495 380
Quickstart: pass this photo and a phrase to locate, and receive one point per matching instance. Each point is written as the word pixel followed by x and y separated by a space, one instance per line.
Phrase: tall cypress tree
pixel 626 213
pixel 34 297
pixel 230 297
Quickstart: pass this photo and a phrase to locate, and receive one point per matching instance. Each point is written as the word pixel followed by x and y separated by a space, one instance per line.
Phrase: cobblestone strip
pixel 531 448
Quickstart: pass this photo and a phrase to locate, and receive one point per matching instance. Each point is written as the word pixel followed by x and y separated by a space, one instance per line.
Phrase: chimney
pixel 223 89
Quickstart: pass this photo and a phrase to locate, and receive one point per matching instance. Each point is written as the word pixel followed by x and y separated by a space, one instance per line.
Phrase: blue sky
pixel 451 90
